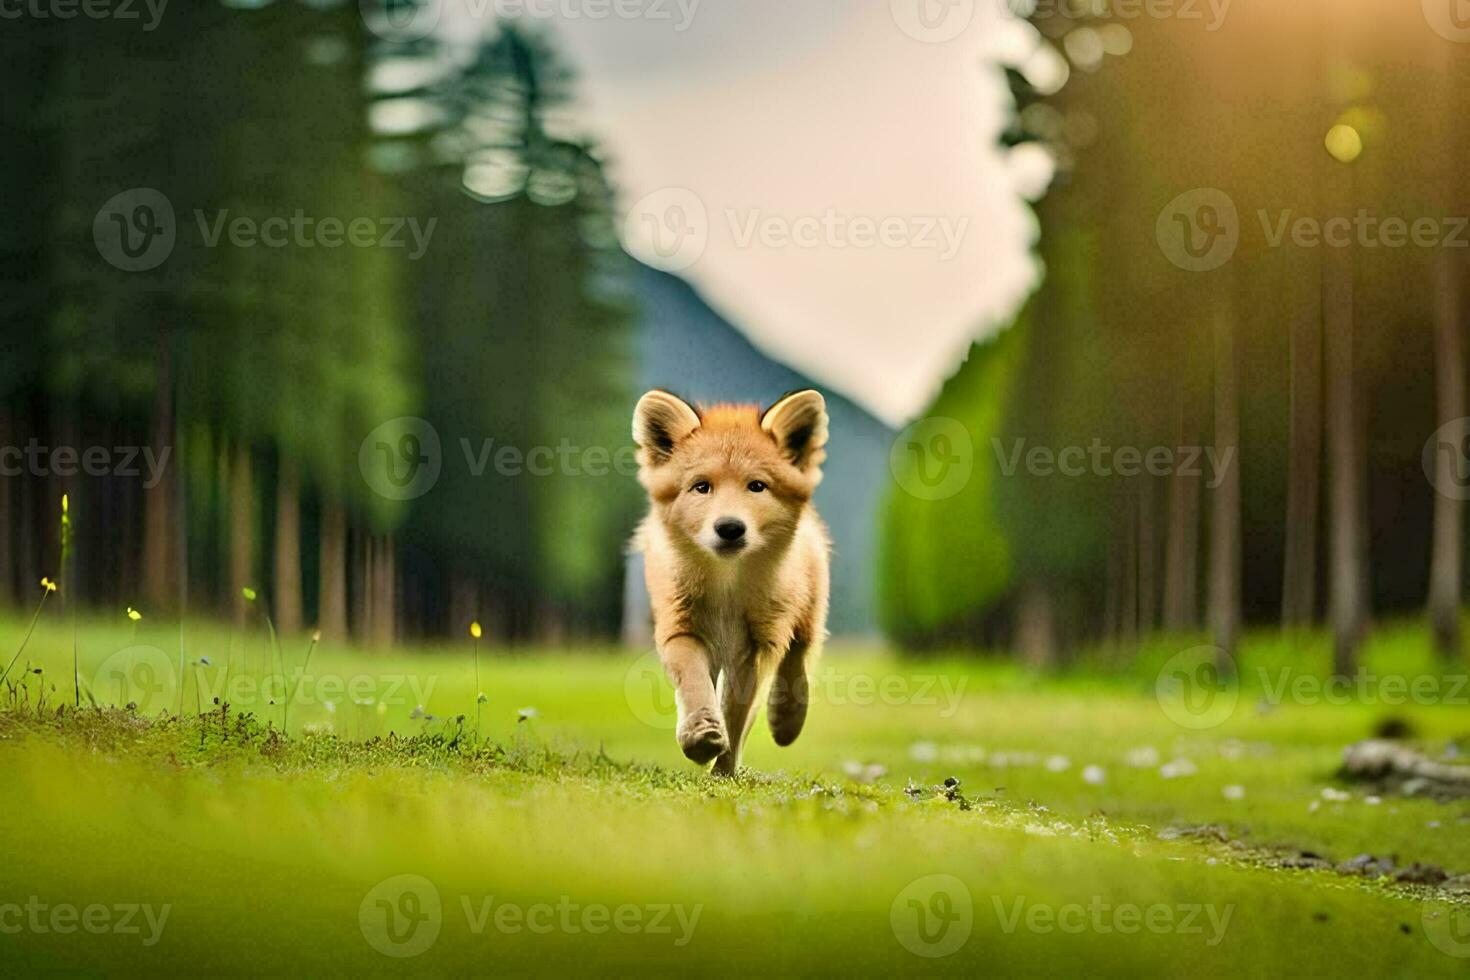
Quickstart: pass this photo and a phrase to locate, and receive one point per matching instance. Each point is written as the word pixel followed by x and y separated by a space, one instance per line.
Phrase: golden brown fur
pixel 737 619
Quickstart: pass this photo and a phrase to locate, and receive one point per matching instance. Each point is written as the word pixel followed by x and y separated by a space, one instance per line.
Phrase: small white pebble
pixel 1177 768
pixel 1335 795
pixel 1372 800
pixel 1233 792
pixel 1058 763
pixel 1433 825
pixel 1314 806
pixel 1094 775
pixel 923 752
pixel 1143 757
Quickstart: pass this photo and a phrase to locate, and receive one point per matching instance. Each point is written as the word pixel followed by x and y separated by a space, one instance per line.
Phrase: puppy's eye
pixel 701 487
pixel 755 486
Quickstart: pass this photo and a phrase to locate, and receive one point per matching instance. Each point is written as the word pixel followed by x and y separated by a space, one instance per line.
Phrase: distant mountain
pixel 686 347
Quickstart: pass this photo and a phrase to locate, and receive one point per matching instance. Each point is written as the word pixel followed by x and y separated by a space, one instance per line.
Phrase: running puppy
pixel 736 561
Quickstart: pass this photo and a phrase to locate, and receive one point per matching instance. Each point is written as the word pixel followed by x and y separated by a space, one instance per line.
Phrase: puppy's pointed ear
pixel 660 422
pixel 798 423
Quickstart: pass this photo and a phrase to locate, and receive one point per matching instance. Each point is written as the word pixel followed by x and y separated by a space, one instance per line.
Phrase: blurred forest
pixel 263 369
pixel 1325 368
pixel 1319 371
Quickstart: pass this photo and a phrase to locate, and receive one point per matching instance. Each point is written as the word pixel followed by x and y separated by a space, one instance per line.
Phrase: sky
pixel 825 173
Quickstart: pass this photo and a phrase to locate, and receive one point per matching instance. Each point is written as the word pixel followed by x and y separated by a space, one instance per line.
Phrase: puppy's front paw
pixel 702 736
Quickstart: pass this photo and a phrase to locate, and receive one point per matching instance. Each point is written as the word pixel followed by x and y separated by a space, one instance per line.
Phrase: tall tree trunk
pixel 1128 600
pixel 159 550
pixel 242 538
pixel 1345 468
pixel 362 588
pixel 287 587
pixel 8 515
pixel 1036 627
pixel 1449 386
pixel 1113 591
pixel 1148 588
pixel 382 612
pixel 1181 537
pixel 332 611
pixel 1225 501
pixel 1304 467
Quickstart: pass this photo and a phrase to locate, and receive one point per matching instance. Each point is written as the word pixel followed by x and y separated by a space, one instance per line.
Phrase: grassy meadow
pixel 940 815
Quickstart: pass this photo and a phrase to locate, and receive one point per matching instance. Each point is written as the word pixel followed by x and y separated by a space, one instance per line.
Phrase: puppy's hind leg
pixel 701 732
pixel 790 693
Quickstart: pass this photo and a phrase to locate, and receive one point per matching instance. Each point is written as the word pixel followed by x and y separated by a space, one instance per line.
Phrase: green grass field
pixel 1092 817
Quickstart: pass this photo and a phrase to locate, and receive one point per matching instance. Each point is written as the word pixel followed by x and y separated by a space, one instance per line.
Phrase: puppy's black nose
pixel 730 529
